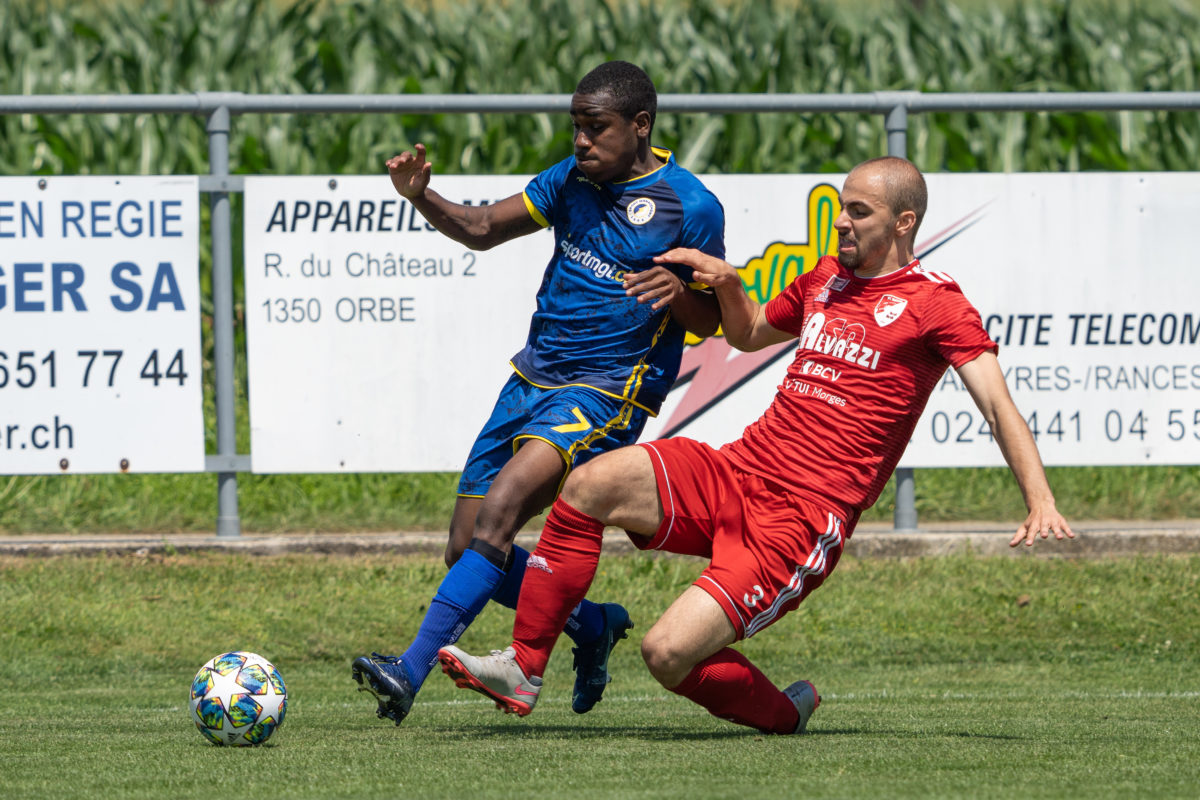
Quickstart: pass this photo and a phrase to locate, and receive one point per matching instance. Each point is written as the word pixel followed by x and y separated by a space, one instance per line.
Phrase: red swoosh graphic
pixel 714 370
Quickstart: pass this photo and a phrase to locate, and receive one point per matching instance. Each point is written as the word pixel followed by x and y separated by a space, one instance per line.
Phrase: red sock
pixel 557 576
pixel 732 688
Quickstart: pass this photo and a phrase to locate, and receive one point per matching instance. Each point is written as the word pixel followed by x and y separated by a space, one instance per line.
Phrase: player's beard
pixel 866 250
pixel 851 261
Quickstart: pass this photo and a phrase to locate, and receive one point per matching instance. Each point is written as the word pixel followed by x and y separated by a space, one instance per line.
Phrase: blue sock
pixel 463 593
pixel 586 622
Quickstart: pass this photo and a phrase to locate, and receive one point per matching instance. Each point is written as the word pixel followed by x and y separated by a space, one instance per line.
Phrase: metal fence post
pixel 228 521
pixel 904 517
pixel 896 125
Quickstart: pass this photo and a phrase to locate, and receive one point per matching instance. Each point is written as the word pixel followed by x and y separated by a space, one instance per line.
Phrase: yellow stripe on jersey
pixel 662 153
pixel 533 212
pixel 634 384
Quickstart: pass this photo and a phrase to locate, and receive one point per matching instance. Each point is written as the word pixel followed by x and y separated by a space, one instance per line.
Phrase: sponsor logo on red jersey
pixel 838 338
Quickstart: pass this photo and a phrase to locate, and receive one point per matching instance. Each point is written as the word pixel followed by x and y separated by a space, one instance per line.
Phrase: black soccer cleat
pixel 591 661
pixel 386 678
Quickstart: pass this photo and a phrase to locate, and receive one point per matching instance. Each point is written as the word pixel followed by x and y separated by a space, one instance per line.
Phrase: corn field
pixel 544 46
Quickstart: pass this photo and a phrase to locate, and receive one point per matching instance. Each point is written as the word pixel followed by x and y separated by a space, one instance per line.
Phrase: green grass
pixel 423 502
pixel 1008 677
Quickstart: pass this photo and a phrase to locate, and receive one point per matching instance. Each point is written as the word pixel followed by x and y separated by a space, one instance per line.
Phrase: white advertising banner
pixel 374 342
pixel 100 367
pixel 377 344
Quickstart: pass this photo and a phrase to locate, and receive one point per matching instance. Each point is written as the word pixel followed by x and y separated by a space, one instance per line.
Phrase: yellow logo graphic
pixel 574 427
pixel 767 275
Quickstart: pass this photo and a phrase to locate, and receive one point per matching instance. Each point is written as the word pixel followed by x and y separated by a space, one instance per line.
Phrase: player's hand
pixel 657 285
pixel 410 172
pixel 707 269
pixel 1042 521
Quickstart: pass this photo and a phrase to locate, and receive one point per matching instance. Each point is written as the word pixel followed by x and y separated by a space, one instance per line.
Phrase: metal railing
pixel 220 107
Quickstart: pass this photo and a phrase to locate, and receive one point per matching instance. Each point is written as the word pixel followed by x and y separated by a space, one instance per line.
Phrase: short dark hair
pixel 630 87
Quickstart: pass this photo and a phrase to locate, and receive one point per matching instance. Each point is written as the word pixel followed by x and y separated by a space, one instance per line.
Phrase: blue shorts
pixel 578 422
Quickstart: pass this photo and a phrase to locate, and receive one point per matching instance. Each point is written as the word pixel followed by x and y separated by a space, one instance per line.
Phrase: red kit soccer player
pixel 772 510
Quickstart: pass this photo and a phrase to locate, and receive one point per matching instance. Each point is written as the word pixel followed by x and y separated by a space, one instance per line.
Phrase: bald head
pixel 903 184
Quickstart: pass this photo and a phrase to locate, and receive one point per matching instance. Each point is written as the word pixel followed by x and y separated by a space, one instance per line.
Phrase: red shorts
pixel 768 548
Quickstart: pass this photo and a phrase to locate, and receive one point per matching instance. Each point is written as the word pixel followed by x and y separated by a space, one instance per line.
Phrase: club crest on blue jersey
pixel 640 211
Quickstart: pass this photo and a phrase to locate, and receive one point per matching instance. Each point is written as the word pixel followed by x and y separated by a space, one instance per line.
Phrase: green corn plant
pixel 544 46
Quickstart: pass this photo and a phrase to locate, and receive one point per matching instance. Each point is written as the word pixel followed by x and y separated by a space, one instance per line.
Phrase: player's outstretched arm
pixel 985 381
pixel 743 321
pixel 478 227
pixel 410 172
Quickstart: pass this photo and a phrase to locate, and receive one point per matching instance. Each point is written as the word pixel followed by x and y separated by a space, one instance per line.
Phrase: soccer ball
pixel 238 699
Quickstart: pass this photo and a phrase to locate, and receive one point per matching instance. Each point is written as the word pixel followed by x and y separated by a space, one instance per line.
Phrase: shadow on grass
pixel 674 733
pixel 558 732
pixel 997 736
pixel 655 733
pixel 907 733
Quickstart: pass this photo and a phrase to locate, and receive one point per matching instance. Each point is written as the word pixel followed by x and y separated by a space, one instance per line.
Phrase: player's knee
pixel 574 491
pixel 457 543
pixel 591 488
pixel 666 663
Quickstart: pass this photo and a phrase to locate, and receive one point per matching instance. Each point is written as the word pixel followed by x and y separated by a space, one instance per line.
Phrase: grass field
pixel 423 502
pixel 954 677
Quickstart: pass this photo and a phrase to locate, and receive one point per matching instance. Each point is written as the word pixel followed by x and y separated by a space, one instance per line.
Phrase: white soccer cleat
pixel 497 676
pixel 805 698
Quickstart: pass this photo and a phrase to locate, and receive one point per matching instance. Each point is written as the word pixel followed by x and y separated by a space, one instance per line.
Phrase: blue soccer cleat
pixel 386 678
pixel 591 660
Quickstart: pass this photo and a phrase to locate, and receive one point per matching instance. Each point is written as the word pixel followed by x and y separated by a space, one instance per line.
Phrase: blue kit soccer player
pixel 604 347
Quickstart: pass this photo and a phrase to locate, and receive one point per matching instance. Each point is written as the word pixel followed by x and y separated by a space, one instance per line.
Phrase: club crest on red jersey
pixel 888 309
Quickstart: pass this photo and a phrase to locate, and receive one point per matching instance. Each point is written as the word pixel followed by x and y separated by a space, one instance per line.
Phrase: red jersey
pixel 871 351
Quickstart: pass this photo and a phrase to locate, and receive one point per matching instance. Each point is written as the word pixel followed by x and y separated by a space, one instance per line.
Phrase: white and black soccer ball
pixel 238 699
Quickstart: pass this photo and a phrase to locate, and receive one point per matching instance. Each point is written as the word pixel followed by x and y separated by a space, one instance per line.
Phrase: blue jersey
pixel 585 331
